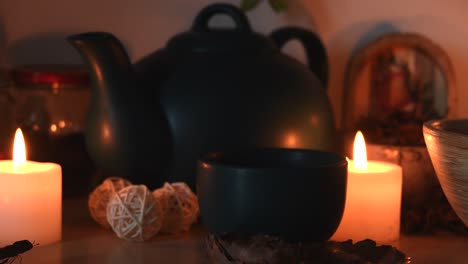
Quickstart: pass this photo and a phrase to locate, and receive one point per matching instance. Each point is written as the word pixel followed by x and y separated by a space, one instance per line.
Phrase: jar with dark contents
pixel 7 114
pixel 51 103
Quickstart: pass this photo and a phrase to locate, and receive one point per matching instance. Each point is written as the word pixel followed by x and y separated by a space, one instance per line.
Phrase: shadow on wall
pixel 374 33
pixel 45 48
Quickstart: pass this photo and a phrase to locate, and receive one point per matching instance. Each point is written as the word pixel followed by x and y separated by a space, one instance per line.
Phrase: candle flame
pixel 19 150
pixel 359 152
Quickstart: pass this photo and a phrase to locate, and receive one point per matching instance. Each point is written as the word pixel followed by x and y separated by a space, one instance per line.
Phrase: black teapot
pixel 209 89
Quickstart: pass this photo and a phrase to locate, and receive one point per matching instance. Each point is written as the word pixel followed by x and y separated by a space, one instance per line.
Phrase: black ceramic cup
pixel 298 195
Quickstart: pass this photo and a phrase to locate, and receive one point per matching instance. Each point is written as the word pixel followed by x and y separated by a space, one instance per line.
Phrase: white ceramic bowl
pixel 447 144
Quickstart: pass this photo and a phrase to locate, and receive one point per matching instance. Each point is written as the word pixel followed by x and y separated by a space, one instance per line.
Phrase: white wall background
pixel 33 31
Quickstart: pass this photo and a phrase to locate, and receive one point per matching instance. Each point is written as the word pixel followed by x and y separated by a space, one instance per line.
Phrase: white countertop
pixel 86 242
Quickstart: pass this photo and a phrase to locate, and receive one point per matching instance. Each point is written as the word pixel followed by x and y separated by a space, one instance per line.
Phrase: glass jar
pixel 51 99
pixel 7 110
pixel 51 103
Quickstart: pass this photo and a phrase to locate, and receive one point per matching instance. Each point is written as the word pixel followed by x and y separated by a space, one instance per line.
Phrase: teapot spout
pixel 126 133
pixel 107 61
pixel 113 83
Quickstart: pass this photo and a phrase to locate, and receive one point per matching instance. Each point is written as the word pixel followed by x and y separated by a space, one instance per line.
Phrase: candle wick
pixel 18 164
pixel 360 166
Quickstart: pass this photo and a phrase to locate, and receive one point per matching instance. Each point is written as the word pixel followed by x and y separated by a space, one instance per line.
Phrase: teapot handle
pixel 314 48
pixel 200 24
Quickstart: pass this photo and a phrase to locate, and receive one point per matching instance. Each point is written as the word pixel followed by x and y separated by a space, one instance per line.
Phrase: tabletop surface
pixel 84 241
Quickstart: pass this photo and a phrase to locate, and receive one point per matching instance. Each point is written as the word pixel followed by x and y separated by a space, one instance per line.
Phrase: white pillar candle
pixel 373 200
pixel 30 199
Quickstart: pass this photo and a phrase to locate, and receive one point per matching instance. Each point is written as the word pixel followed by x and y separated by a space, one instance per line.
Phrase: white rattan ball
pixel 99 198
pixel 180 206
pixel 134 214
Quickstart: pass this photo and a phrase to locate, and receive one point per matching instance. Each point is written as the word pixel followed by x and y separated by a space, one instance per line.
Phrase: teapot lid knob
pixel 200 24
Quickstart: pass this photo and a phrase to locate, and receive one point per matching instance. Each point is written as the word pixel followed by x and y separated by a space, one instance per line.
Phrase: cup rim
pixel 432 125
pixel 211 159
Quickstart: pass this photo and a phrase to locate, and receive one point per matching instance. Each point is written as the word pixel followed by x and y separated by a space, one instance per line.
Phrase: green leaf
pixel 248 5
pixel 278 5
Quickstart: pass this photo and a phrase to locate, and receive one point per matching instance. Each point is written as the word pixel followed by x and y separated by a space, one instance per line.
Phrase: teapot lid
pixel 202 38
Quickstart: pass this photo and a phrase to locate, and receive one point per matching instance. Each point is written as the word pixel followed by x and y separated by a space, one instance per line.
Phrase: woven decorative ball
pixel 134 213
pixel 99 198
pixel 180 206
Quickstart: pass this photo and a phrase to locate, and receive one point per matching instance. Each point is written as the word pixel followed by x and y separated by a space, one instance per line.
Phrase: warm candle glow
pixel 30 198
pixel 19 150
pixel 359 152
pixel 373 199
